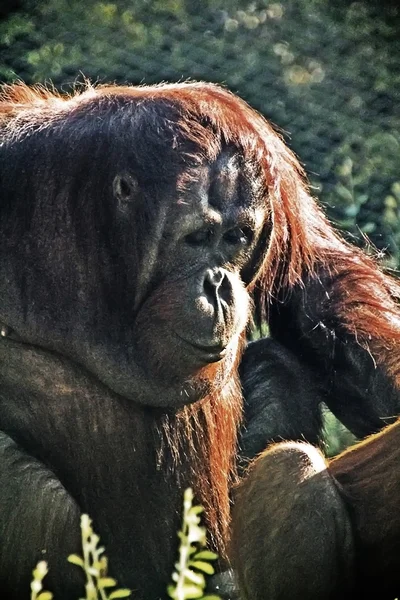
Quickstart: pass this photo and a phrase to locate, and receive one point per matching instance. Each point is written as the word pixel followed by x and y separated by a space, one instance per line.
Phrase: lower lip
pixel 210 353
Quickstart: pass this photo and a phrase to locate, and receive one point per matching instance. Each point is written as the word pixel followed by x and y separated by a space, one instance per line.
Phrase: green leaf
pixel 40 570
pixel 344 192
pixel 76 560
pixel 368 228
pixel 352 210
pixel 193 577
pixel 362 198
pixel 122 593
pixel 106 582
pixel 192 591
pixel 201 565
pixel 196 510
pixel 171 591
pixel 396 189
pixel 205 555
pixel 390 202
pixel 45 596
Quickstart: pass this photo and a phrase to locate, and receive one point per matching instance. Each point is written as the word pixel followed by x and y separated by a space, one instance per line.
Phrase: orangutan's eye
pixel 201 237
pixel 239 236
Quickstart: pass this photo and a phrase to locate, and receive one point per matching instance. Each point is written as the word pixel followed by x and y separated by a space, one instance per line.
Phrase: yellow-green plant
pixel 38 574
pixel 189 580
pixel 194 559
pixel 94 565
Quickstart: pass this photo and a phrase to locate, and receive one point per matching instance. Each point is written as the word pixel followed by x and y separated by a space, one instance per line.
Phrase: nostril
pixel 214 277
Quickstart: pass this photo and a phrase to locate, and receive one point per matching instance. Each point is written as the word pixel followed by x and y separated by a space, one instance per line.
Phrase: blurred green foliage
pixel 326 72
pixel 336 437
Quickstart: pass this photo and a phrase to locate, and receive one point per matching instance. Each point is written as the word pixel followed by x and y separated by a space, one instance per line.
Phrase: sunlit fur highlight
pixel 366 472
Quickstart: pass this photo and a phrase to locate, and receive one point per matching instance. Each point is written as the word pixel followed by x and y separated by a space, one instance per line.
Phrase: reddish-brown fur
pixel 320 529
pixel 368 474
pixel 302 246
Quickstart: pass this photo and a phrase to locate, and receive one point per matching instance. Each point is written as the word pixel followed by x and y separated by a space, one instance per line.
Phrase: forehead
pixel 174 144
pixel 227 183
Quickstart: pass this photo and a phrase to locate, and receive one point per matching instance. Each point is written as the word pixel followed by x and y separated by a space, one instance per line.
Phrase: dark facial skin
pixel 208 235
pixel 149 338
